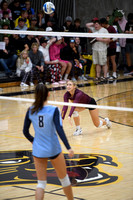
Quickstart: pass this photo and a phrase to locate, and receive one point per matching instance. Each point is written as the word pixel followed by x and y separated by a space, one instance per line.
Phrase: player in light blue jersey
pixel 46 120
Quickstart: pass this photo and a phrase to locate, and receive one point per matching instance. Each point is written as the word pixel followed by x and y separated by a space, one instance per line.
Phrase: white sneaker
pixel 84 78
pixel 31 84
pixel 114 75
pixel 78 132
pixel 23 84
pixel 108 123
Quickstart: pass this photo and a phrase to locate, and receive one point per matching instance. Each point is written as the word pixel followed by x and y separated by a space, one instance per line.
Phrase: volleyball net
pixel 72 35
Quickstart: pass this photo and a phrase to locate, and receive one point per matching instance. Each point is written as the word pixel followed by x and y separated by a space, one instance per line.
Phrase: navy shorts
pixel 92 102
pixel 53 157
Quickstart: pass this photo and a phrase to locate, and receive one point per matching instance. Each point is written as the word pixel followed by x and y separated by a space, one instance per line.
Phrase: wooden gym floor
pixel 103 164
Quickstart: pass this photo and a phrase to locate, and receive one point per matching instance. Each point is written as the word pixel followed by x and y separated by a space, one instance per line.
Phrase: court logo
pixel 84 169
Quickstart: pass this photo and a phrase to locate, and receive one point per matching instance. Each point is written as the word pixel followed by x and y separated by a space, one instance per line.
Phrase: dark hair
pixel 41 94
pixel 103 21
pixel 2 3
pixel 130 16
pixel 97 21
pixel 77 20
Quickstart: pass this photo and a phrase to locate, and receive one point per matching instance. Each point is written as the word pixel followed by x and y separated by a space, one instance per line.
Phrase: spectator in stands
pixel 77 28
pixel 68 27
pixel 54 51
pixel 122 41
pixel 81 59
pixel 40 19
pixel 52 66
pixel 15 9
pixel 6 17
pixel 52 17
pixel 24 67
pixel 111 50
pixel 115 17
pixel 31 12
pixel 22 4
pixel 90 25
pixel 51 23
pixel 4 7
pixel 38 65
pixel 17 42
pixel 108 17
pixel 129 42
pixel 33 23
pixel 29 40
pixel 4 24
pixel 71 54
pixel 21 26
pixel 99 48
pixel 24 16
pixel 8 57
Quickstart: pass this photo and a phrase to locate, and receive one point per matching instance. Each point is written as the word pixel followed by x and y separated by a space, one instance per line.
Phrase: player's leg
pixel 76 119
pixel 94 112
pixel 60 168
pixel 99 122
pixel 40 166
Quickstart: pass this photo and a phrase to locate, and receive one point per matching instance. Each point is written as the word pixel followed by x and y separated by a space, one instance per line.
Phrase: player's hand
pixel 70 153
pixel 70 121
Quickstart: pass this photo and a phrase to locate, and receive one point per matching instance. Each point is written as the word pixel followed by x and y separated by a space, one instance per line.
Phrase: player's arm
pixel 26 127
pixel 65 108
pixel 59 128
pixel 77 99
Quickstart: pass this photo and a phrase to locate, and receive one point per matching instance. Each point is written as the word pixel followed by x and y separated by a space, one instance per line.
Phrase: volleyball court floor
pixel 103 163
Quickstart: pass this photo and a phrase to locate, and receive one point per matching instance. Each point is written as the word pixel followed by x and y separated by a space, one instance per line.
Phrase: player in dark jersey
pixel 77 96
pixel 46 120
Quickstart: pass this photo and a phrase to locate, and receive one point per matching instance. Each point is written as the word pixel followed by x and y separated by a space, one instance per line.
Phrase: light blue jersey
pixel 46 142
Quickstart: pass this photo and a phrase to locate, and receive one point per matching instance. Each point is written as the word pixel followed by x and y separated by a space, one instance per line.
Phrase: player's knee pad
pixel 100 124
pixel 75 114
pixel 65 181
pixel 41 184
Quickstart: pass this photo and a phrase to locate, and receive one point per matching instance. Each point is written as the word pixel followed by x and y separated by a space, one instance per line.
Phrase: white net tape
pixel 67 34
pixel 70 104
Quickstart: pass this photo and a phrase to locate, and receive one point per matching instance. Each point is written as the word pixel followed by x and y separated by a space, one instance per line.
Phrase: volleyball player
pixel 77 96
pixel 46 120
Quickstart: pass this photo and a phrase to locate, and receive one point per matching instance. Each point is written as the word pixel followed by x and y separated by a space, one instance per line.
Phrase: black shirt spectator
pixel 15 9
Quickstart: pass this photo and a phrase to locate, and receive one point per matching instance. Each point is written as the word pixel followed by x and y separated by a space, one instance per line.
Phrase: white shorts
pixel 99 57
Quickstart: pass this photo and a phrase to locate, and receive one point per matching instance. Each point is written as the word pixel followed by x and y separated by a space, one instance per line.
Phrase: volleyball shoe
pixel 108 122
pixel 78 132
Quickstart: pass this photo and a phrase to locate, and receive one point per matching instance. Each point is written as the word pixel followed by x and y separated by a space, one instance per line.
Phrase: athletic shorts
pixel 129 48
pixel 99 57
pixel 92 102
pixel 53 157
pixel 111 52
